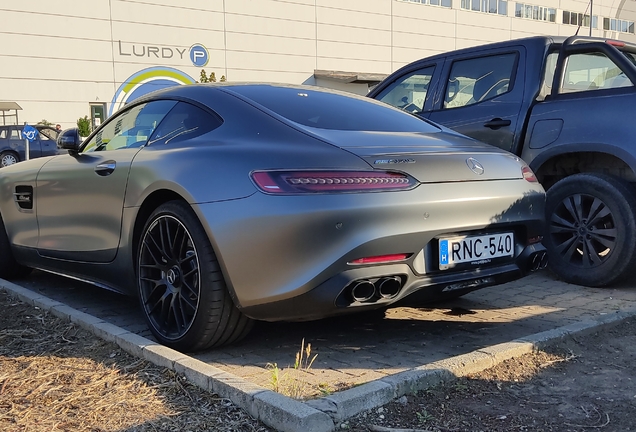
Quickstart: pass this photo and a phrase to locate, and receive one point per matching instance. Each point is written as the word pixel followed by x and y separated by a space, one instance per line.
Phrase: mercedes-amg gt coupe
pixel 220 204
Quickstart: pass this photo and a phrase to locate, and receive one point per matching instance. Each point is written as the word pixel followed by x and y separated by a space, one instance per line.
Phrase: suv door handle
pixel 497 123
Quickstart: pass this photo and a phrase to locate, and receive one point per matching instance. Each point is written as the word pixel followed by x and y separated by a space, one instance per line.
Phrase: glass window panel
pixel 475 80
pixel 624 26
pixel 492 6
pixel 132 128
pixel 606 23
pixel 466 4
pixel 552 15
pixel 519 10
pixel 592 71
pixel 503 7
pixel 409 93
pixel 475 5
pixel 613 24
pixel 566 17
pixel 631 27
pixel 447 3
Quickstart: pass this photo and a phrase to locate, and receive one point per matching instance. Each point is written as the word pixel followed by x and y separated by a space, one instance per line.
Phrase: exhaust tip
pixel 363 291
pixel 544 261
pixel 389 287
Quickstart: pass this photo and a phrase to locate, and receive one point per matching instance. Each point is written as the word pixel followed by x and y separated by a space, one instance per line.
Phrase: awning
pixel 9 106
pixel 350 77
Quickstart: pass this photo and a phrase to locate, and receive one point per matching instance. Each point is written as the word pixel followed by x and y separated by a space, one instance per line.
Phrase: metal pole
pixel 26 149
pixel 591 15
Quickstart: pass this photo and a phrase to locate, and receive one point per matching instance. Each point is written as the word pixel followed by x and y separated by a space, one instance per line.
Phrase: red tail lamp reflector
pixel 293 182
pixel 381 259
pixel 528 174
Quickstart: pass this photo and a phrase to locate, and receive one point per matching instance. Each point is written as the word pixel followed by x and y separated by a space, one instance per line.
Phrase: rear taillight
pixel 528 174
pixel 293 182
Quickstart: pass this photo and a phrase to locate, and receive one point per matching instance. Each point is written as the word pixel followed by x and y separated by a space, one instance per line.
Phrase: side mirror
pixel 70 140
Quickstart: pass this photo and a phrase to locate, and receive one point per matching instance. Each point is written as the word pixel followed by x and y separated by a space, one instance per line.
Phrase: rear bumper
pixel 331 299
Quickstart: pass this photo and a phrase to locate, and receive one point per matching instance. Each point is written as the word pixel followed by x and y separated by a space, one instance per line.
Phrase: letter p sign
pixel 199 55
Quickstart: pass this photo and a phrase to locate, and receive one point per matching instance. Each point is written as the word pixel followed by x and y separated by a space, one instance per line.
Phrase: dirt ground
pixel 56 377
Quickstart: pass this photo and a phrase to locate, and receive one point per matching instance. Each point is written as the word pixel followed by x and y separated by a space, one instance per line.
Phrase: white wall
pixel 56 57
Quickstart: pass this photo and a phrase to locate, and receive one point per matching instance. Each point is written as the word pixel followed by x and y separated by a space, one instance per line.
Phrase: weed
pixel 424 416
pixel 289 381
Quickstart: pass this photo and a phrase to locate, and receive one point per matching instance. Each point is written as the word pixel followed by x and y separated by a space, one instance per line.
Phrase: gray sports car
pixel 220 204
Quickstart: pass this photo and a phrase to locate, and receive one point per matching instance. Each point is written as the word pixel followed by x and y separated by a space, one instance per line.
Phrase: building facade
pixel 65 59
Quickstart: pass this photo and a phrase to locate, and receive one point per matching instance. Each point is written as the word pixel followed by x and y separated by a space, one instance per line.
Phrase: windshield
pixel 327 110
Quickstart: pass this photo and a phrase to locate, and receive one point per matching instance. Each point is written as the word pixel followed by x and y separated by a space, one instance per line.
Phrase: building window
pixel 444 3
pixel 578 19
pixel 539 13
pixel 499 7
pixel 618 25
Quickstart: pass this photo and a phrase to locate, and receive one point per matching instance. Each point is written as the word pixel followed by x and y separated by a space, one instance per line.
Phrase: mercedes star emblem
pixel 475 166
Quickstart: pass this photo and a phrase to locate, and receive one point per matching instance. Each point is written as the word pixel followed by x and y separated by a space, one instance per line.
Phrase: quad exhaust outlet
pixel 384 288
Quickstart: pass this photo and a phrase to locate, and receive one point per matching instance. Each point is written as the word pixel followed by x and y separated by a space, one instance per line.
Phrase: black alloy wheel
pixel 181 288
pixel 591 227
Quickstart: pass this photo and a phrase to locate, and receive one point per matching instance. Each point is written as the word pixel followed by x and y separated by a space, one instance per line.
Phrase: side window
pixel 548 75
pixel 475 80
pixel 184 121
pixel 131 128
pixel 409 92
pixel 3 134
pixel 16 134
pixel 592 71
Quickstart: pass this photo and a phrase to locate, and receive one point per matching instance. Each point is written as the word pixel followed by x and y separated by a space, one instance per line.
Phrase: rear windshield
pixel 339 111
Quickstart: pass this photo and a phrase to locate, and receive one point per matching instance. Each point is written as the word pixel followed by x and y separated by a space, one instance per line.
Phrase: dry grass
pixel 57 377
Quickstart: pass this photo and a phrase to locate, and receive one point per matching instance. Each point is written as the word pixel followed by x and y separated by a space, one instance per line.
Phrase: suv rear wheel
pixel 591 223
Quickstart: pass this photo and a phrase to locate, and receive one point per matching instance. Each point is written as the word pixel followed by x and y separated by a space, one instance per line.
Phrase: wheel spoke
pixel 590 257
pixel 600 215
pixel 150 251
pixel 570 206
pixel 177 313
pixel 606 237
pixel 568 247
pixel 561 226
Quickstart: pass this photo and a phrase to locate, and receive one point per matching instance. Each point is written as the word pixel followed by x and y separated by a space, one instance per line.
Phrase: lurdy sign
pixel 197 53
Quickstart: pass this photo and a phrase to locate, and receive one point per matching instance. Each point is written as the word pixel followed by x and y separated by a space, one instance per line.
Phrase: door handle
pixel 105 168
pixel 497 123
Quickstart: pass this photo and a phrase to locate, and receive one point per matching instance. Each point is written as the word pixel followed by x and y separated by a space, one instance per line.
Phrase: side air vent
pixel 23 196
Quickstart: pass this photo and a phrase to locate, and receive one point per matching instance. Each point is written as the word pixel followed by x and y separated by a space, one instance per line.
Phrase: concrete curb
pixel 318 415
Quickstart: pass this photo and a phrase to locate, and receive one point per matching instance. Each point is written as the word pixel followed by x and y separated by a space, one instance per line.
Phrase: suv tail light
pixel 298 182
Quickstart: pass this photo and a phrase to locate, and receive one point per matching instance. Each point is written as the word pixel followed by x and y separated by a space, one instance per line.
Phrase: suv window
pixel 409 93
pixel 475 80
pixel 16 134
pixel 592 71
pixel 3 134
pixel 131 128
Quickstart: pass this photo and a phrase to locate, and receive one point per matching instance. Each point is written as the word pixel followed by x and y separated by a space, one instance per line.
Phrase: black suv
pixel 12 144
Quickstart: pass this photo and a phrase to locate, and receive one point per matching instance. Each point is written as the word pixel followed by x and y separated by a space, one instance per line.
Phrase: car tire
pixel 181 288
pixel 9 267
pixel 8 158
pixel 591 227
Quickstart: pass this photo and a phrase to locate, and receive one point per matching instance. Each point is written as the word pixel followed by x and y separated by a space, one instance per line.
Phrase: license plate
pixel 476 250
